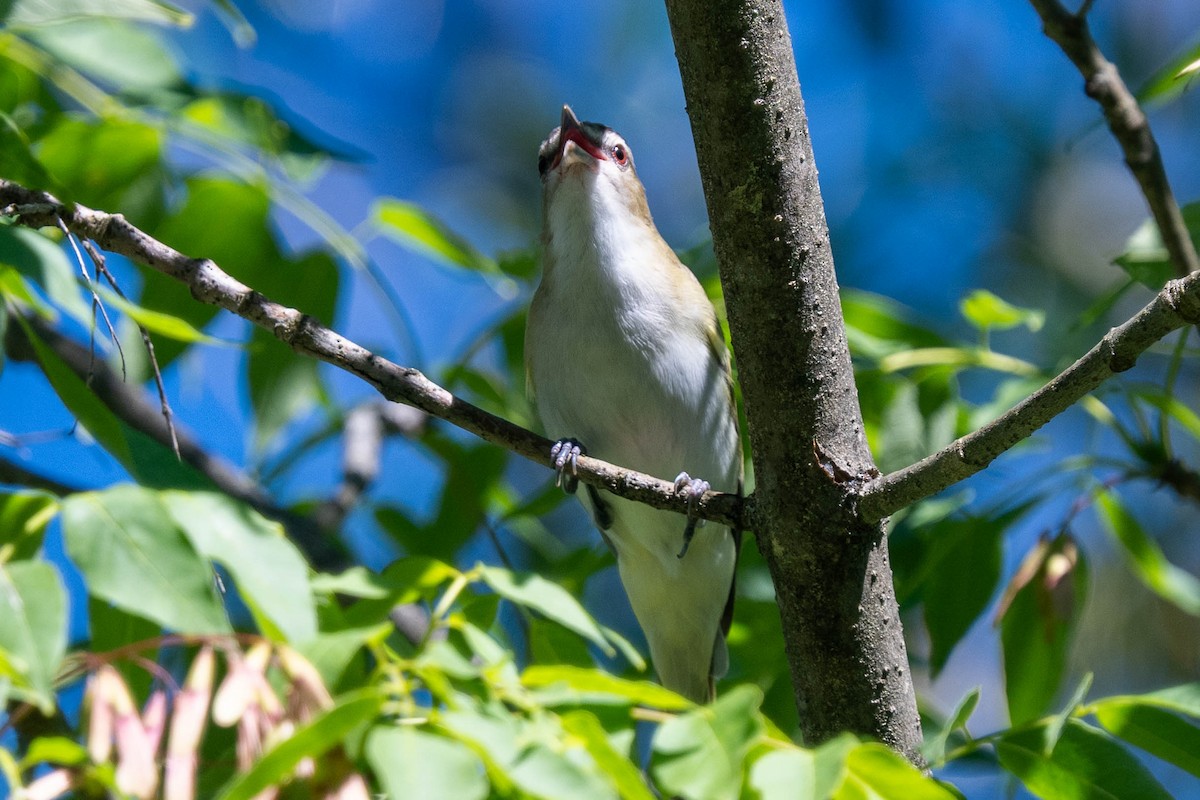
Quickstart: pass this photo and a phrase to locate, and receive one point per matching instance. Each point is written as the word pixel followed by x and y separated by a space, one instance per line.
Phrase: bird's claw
pixel 693 489
pixel 566 453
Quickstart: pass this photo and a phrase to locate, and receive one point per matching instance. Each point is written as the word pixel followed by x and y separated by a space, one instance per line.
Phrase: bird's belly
pixel 659 411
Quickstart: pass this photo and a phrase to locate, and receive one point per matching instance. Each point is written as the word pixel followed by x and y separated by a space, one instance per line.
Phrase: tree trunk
pixel 845 646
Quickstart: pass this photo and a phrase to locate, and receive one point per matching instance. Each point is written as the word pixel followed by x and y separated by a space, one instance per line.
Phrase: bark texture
pixel 845 646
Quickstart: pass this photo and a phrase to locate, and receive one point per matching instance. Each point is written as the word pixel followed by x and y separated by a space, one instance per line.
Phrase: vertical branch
pixel 833 583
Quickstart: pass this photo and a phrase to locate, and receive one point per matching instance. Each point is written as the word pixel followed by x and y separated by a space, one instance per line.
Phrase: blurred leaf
pixel 33 638
pixel 472 470
pixel 270 573
pixel 615 765
pixel 54 750
pixel 33 13
pixel 1153 729
pixel 80 400
pixel 17 161
pixel 133 555
pixel 406 580
pixel 539 759
pixel 15 288
pixel 1145 257
pixel 793 772
pixel 1172 80
pixel 1036 627
pixel 1168 581
pixel 550 643
pixel 111 627
pixel 1085 764
pixel 414 763
pixel 534 592
pixel 311 740
pixel 113 52
pixel 264 125
pixel 876 772
pixel 166 325
pixel 1187 418
pixel 964 569
pixel 332 652
pixel 105 163
pixel 701 753
pixel 413 227
pixel 986 311
pixel 23 519
pixel 877 326
pixel 591 685
pixel 934 748
pixel 47 265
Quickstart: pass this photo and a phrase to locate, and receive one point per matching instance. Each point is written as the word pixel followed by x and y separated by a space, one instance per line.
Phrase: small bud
pixel 52 785
pixel 187 728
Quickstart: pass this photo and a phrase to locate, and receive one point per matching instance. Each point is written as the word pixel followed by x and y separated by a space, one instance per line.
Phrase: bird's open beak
pixel 571 131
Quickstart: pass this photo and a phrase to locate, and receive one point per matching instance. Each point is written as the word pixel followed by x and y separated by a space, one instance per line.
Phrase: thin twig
pixel 96 304
pixel 102 267
pixel 209 284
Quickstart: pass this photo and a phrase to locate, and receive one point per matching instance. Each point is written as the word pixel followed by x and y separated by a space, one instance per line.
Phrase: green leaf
pixel 1036 631
pixel 1168 581
pixel 701 753
pixel 416 229
pixel 1159 732
pixel 33 13
pixel 332 652
pixel 964 570
pixel 54 750
pixel 23 519
pixel 1145 258
pixel 615 765
pixel 1172 80
pixel 877 326
pixel 270 572
pixel 133 555
pixel 311 740
pixel 17 161
pixel 876 772
pixel 80 401
pixel 414 763
pixel 113 52
pixel 1085 764
pixel 549 599
pixel 791 772
pixel 108 164
pixel 572 685
pixel 156 321
pixel 934 748
pixel 986 311
pixel 33 638
pixel 406 580
pixel 46 264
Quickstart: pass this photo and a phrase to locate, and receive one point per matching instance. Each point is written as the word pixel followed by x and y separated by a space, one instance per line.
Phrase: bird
pixel 626 362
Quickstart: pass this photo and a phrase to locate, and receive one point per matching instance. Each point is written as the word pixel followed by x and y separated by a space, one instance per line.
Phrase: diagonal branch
pixel 209 284
pixel 1127 122
pixel 1178 304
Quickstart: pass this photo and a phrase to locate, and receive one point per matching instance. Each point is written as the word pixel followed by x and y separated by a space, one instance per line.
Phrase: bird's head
pixel 588 164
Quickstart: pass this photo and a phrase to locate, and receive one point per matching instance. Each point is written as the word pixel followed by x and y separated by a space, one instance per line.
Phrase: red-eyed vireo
pixel 625 357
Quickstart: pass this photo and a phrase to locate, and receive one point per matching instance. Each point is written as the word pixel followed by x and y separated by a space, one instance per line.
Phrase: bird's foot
pixel 566 453
pixel 693 489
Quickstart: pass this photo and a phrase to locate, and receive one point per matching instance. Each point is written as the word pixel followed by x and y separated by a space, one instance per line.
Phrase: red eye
pixel 620 154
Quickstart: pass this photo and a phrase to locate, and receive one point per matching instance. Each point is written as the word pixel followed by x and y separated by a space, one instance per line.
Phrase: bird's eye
pixel 543 163
pixel 619 154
